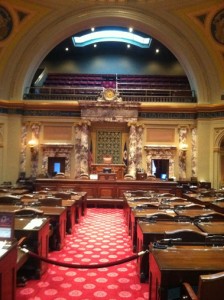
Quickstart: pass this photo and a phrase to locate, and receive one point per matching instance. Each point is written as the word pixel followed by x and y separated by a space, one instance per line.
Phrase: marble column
pixel 194 152
pixel 23 157
pixel 82 148
pixel 132 150
pixel 183 131
pixel 34 148
pixel 139 146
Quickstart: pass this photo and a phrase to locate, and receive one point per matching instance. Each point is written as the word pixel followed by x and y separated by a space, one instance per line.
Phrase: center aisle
pixel 100 237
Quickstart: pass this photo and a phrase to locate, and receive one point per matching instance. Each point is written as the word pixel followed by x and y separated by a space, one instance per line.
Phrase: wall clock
pixel 109 94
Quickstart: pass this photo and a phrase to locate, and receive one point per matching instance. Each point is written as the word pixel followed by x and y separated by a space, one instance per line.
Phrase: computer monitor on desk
pixel 163 176
pixel 106 170
pixel 7 220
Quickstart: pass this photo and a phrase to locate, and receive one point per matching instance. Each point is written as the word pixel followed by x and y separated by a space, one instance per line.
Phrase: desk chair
pixel 189 206
pixel 107 159
pixel 9 199
pixel 214 240
pixel 146 199
pixel 129 177
pixel 207 194
pixel 157 217
pixel 145 206
pixel 210 287
pixel 184 236
pixel 28 212
pixel 140 193
pixel 220 199
pixel 84 176
pixel 51 201
pixel 151 177
pixel 214 216
pixel 63 195
pixel 166 195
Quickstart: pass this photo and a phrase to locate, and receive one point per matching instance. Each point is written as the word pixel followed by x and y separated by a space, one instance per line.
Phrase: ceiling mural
pixel 6 23
pixel 217 27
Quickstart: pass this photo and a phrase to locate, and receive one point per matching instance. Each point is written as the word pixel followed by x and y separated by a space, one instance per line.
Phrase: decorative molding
pixel 110 111
pixel 217 27
pixel 160 147
pixel 56 145
pixel 6 23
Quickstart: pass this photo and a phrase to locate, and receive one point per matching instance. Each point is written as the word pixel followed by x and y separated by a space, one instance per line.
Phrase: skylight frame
pixel 111 36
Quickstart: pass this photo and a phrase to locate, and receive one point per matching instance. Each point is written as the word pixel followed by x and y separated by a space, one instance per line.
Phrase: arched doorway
pixel 69 22
pixel 218 159
pixel 222 162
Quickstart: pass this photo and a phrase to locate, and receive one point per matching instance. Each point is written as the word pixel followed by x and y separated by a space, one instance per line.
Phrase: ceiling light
pixel 130 29
pixel 111 36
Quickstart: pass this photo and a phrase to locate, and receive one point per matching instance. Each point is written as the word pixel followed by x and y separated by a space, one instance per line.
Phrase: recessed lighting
pixel 130 29
pixel 92 29
pixel 157 50
pixel 128 46
pixel 66 49
pixel 95 45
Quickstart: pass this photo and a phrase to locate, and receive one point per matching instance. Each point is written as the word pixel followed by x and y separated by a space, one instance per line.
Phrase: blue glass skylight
pixel 111 36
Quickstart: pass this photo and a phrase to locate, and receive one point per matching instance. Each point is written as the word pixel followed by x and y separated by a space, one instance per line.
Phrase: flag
pixel 90 156
pixel 125 155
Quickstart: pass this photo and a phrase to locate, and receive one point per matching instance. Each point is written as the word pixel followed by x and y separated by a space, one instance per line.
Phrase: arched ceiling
pixel 182 26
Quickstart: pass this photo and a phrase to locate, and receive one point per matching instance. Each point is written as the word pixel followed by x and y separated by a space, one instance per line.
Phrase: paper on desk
pixel 2 244
pixel 37 222
pixel 2 251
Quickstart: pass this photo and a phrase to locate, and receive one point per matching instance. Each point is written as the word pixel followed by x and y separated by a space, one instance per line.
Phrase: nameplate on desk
pixel 93 176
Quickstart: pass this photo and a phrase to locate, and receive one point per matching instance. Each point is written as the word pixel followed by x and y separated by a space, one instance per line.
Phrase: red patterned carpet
pixel 100 237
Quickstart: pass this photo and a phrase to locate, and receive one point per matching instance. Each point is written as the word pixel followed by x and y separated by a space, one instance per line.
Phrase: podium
pixel 107 176
pixel 117 169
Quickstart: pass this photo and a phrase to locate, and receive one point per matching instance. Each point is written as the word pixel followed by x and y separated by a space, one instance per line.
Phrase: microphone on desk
pixel 151 219
pixel 164 243
pixel 179 207
pixel 221 199
pixel 201 219
pixel 171 239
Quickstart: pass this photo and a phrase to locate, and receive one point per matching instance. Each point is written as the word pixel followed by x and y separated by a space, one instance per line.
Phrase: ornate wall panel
pixel 108 142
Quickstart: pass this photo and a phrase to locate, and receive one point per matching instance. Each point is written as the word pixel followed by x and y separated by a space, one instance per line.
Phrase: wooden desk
pixel 217 206
pixel 103 188
pixel 107 176
pixel 38 242
pixel 8 272
pixel 129 206
pixel 170 267
pixel 193 213
pixel 57 218
pixel 212 228
pixel 196 198
pixel 140 214
pixel 150 232
pixel 72 214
